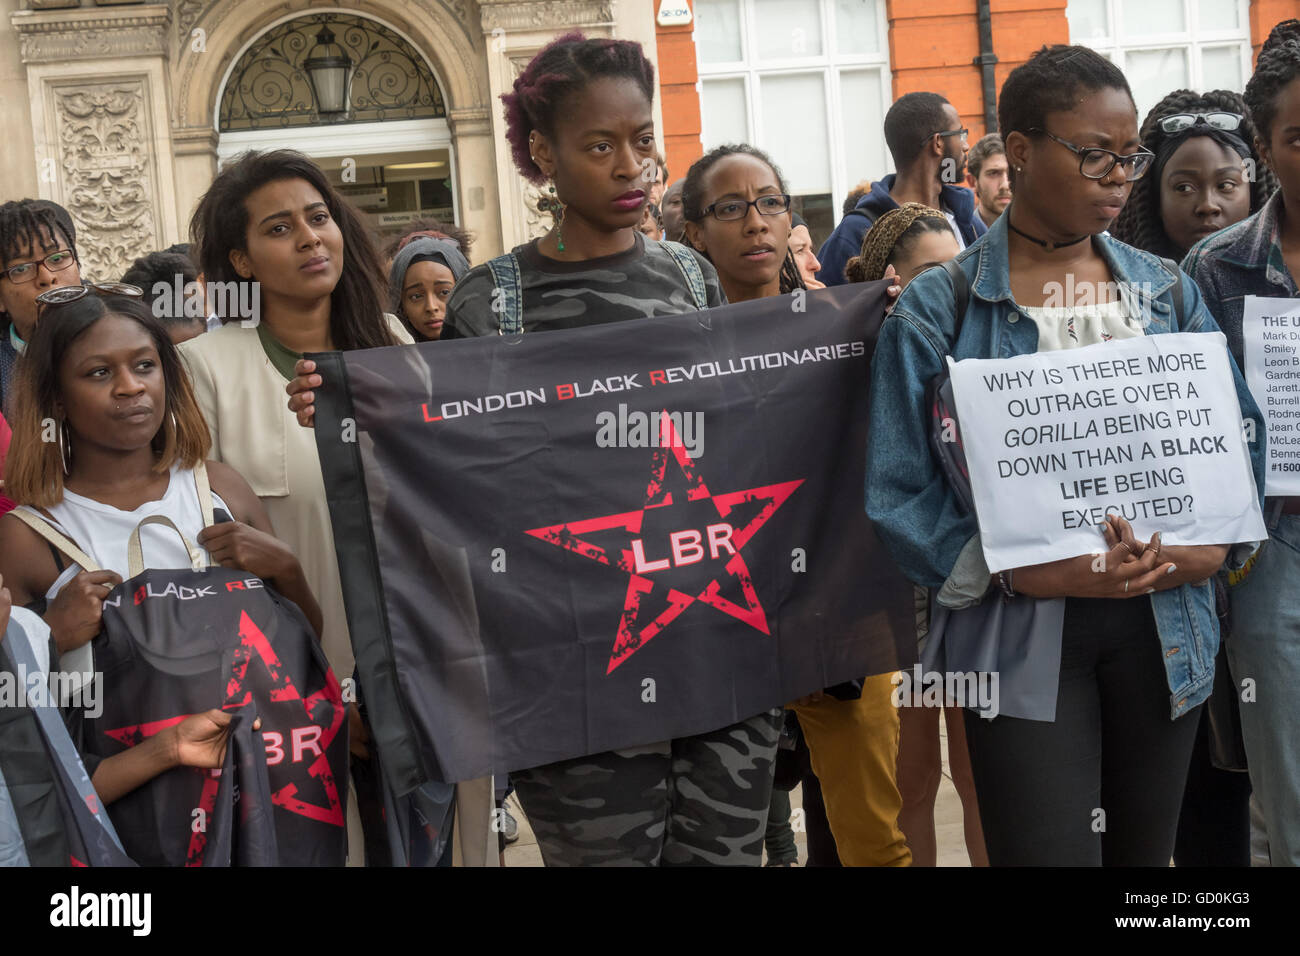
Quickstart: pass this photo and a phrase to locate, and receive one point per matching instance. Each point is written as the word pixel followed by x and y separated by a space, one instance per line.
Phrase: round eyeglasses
pixel 26 271
pixel 1177 122
pixel 729 210
pixel 1096 163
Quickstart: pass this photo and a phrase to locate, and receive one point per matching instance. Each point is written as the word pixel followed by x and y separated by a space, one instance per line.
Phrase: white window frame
pixel 1194 40
pixel 829 65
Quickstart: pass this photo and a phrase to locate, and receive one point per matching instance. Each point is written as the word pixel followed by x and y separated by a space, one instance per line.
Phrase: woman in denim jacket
pixel 1259 256
pixel 1086 761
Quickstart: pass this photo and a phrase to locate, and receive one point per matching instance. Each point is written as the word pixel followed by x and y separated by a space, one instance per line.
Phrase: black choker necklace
pixel 1049 246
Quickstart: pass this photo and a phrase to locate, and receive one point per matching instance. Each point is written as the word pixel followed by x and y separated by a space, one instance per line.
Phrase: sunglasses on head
pixel 1177 122
pixel 71 293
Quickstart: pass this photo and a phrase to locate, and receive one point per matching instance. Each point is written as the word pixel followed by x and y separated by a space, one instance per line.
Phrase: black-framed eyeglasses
pixel 71 293
pixel 964 133
pixel 1096 163
pixel 1177 122
pixel 26 271
pixel 729 210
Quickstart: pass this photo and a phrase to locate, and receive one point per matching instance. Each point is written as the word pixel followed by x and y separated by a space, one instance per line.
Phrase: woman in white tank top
pixel 106 380
pixel 101 377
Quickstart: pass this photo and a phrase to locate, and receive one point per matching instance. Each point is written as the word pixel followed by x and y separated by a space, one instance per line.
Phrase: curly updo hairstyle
pixel 1139 223
pixel 559 70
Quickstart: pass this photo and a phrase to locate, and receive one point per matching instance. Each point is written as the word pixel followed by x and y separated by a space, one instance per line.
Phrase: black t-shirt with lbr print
pixel 642 282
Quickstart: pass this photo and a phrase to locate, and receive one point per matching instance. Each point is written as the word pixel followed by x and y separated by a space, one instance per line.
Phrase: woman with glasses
pixel 1206 176
pixel 1103 664
pixel 738 216
pixel 1261 256
pixel 37 253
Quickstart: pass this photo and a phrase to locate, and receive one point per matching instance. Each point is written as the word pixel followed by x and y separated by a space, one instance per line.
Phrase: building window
pixel 1167 45
pixel 806 81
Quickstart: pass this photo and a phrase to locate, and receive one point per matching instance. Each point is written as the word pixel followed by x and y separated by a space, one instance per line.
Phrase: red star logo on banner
pixel 649 607
pixel 253 643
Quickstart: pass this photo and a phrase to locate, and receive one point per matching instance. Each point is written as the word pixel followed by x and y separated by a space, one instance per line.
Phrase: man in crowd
pixel 925 136
pixel 986 172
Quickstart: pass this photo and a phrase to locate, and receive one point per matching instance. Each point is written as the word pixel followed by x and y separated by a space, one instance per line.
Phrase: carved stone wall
pixel 97 81
pixel 107 172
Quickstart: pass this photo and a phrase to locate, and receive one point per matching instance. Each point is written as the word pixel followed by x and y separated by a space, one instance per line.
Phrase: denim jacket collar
pixel 1139 276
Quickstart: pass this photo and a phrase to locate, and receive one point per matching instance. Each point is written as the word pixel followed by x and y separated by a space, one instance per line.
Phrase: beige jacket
pixel 243 398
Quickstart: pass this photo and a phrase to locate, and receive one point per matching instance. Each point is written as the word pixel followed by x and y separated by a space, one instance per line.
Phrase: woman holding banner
pixel 737 215
pixel 1083 764
pixel 1258 257
pixel 580 118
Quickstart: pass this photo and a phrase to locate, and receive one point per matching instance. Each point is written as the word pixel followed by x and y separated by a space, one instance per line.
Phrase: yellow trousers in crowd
pixel 854 748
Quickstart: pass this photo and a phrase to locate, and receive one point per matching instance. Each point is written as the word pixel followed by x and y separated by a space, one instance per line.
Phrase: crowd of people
pixel 147 395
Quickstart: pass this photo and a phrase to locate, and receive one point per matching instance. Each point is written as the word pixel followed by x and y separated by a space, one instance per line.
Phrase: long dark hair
pixel 693 200
pixel 34 471
pixel 220 225
pixel 1139 223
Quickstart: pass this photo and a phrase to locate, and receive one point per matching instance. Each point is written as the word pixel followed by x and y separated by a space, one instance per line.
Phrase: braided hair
pixel 893 232
pixel 559 70
pixel 1139 223
pixel 1278 65
pixel 693 200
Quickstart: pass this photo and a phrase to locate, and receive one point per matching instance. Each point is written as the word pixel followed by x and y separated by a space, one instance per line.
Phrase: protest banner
pixel 569 542
pixel 1148 428
pixel 1270 330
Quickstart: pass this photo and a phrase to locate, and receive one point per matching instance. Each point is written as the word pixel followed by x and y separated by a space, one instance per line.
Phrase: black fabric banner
pixel 563 543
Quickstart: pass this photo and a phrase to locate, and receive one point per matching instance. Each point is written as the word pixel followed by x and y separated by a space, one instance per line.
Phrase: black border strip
pixel 359 575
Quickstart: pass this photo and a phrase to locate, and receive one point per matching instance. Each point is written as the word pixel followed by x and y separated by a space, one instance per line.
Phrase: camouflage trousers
pixel 699 800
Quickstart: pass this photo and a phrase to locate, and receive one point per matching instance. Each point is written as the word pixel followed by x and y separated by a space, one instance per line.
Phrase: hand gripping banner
pixel 569 542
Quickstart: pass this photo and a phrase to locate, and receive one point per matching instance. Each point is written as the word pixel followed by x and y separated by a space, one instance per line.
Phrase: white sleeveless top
pixel 1071 327
pixel 102 532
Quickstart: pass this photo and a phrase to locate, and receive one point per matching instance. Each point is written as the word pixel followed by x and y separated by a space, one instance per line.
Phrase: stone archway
pixel 211 35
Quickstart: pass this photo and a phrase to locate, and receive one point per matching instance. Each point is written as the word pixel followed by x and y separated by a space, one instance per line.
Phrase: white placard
pixel 1148 427
pixel 1270 329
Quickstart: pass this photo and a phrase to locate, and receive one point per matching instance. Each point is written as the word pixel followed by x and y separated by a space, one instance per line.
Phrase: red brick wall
pixel 932 46
pixel 680 137
pixel 1265 14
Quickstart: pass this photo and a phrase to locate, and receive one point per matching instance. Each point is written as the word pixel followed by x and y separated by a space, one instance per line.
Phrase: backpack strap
pixel 204 490
pixel 506 276
pixel 54 536
pixel 1172 268
pixel 691 272
pixel 135 555
pixel 961 297
pixel 855 211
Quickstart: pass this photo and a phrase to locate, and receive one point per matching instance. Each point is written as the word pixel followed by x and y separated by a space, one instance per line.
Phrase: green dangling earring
pixel 557 210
